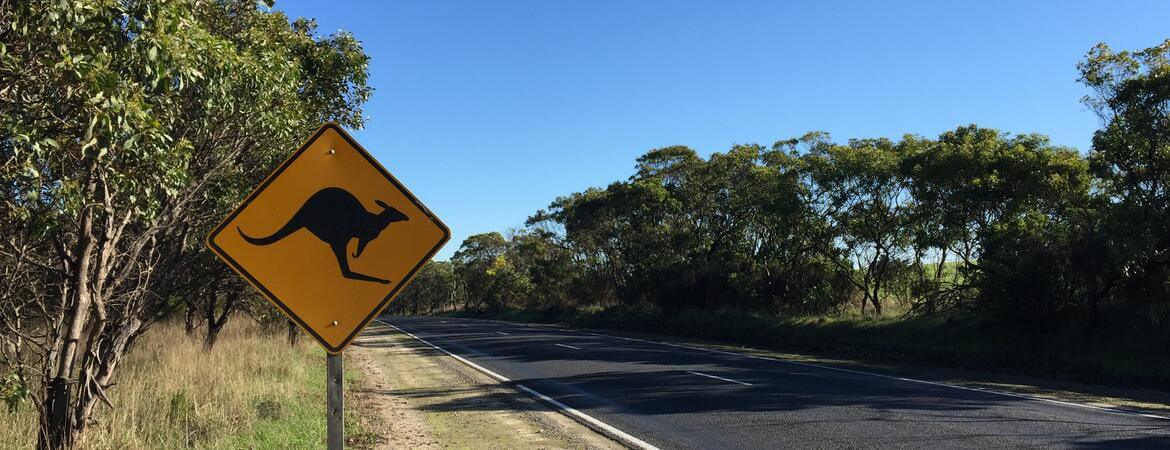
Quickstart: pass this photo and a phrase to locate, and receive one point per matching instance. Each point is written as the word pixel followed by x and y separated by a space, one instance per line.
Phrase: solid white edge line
pixel 701 374
pixel 569 346
pixel 475 366
pixel 595 424
pixel 872 374
pixel 587 420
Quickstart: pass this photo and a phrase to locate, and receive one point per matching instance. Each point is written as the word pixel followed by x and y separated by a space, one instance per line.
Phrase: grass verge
pixel 252 391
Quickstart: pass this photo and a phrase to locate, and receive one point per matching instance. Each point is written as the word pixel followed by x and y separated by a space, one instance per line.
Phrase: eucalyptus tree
pixel 867 203
pixel 971 181
pixel 548 265
pixel 434 289
pixel 796 273
pixel 491 277
pixel 1131 158
pixel 127 126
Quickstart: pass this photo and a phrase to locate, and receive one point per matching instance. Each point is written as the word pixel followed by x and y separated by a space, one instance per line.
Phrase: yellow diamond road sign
pixel 330 237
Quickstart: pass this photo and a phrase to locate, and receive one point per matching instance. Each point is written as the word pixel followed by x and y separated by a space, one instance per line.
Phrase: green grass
pixel 254 391
pixel 1121 351
pixel 288 421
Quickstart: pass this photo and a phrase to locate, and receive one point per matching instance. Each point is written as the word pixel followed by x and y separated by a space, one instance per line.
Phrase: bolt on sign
pixel 330 237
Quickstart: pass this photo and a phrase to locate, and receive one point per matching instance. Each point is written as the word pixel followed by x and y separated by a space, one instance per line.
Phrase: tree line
pixel 974 221
pixel 127 130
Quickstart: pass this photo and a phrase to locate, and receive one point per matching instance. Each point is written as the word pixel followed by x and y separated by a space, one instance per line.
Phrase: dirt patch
pixel 391 418
pixel 425 399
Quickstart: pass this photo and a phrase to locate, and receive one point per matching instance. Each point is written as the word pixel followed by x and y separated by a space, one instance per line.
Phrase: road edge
pixel 870 372
pixel 589 421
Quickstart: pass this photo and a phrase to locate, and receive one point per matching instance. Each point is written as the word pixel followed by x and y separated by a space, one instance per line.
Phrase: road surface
pixel 672 396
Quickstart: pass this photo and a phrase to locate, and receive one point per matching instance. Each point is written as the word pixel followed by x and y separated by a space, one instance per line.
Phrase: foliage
pixel 13 391
pixel 1131 160
pixel 126 129
pixel 976 222
pixel 806 226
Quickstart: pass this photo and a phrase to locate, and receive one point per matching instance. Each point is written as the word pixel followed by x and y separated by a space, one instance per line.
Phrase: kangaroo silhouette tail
pixel 284 231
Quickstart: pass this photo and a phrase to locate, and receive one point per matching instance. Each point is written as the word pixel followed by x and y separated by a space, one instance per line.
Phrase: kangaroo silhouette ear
pixel 382 204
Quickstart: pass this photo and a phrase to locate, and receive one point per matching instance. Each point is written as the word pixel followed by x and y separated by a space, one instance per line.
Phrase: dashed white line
pixel 701 374
pixel 501 332
pixel 590 421
pixel 569 346
pixel 871 374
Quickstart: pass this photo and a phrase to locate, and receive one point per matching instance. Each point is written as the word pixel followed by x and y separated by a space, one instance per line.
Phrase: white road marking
pixel 569 346
pixel 872 374
pixel 501 332
pixel 701 374
pixel 589 421
pixel 475 366
pixel 465 325
pixel 605 428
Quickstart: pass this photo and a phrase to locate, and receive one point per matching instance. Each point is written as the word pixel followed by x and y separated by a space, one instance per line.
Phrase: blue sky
pixel 489 110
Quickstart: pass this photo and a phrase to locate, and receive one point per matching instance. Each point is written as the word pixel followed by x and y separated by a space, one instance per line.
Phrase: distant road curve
pixel 673 396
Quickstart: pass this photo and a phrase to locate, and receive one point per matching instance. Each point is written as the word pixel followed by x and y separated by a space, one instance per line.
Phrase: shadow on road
pixel 642 379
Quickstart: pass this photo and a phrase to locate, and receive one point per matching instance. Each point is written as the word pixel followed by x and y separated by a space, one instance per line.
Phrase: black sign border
pixel 272 177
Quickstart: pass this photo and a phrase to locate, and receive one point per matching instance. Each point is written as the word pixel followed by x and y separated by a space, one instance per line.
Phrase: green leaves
pixel 13 391
pixel 129 127
pixel 1131 161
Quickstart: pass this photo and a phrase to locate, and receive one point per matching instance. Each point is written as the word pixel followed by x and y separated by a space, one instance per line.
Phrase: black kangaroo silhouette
pixel 335 216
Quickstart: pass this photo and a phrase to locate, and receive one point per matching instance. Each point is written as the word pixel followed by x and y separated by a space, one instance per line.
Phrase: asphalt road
pixel 679 397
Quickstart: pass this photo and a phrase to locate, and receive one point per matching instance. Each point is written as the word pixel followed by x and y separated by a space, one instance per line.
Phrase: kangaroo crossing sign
pixel 330 237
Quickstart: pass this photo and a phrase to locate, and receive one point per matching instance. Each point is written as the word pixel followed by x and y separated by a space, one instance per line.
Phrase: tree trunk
pixel 211 338
pixel 216 320
pixel 189 320
pixel 293 333
pixel 54 429
pixel 59 431
pixel 932 300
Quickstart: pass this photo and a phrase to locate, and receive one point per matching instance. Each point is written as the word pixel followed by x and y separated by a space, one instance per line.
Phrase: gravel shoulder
pixel 415 397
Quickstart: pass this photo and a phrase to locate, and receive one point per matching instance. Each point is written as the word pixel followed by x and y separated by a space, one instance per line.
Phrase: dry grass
pixel 252 391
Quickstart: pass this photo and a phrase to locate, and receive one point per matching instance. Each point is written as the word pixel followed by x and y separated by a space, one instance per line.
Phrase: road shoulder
pixel 425 399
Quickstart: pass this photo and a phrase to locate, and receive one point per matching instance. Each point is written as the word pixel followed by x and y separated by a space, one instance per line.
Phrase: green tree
pixel 433 289
pixel 867 202
pixel 542 258
pixel 492 280
pixel 971 180
pixel 794 272
pixel 126 126
pixel 1131 158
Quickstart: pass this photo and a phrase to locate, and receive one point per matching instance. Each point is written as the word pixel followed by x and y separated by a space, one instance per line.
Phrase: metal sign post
pixel 335 425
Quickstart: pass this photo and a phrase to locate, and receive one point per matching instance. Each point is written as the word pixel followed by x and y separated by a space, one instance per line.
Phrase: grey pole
pixel 334 424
